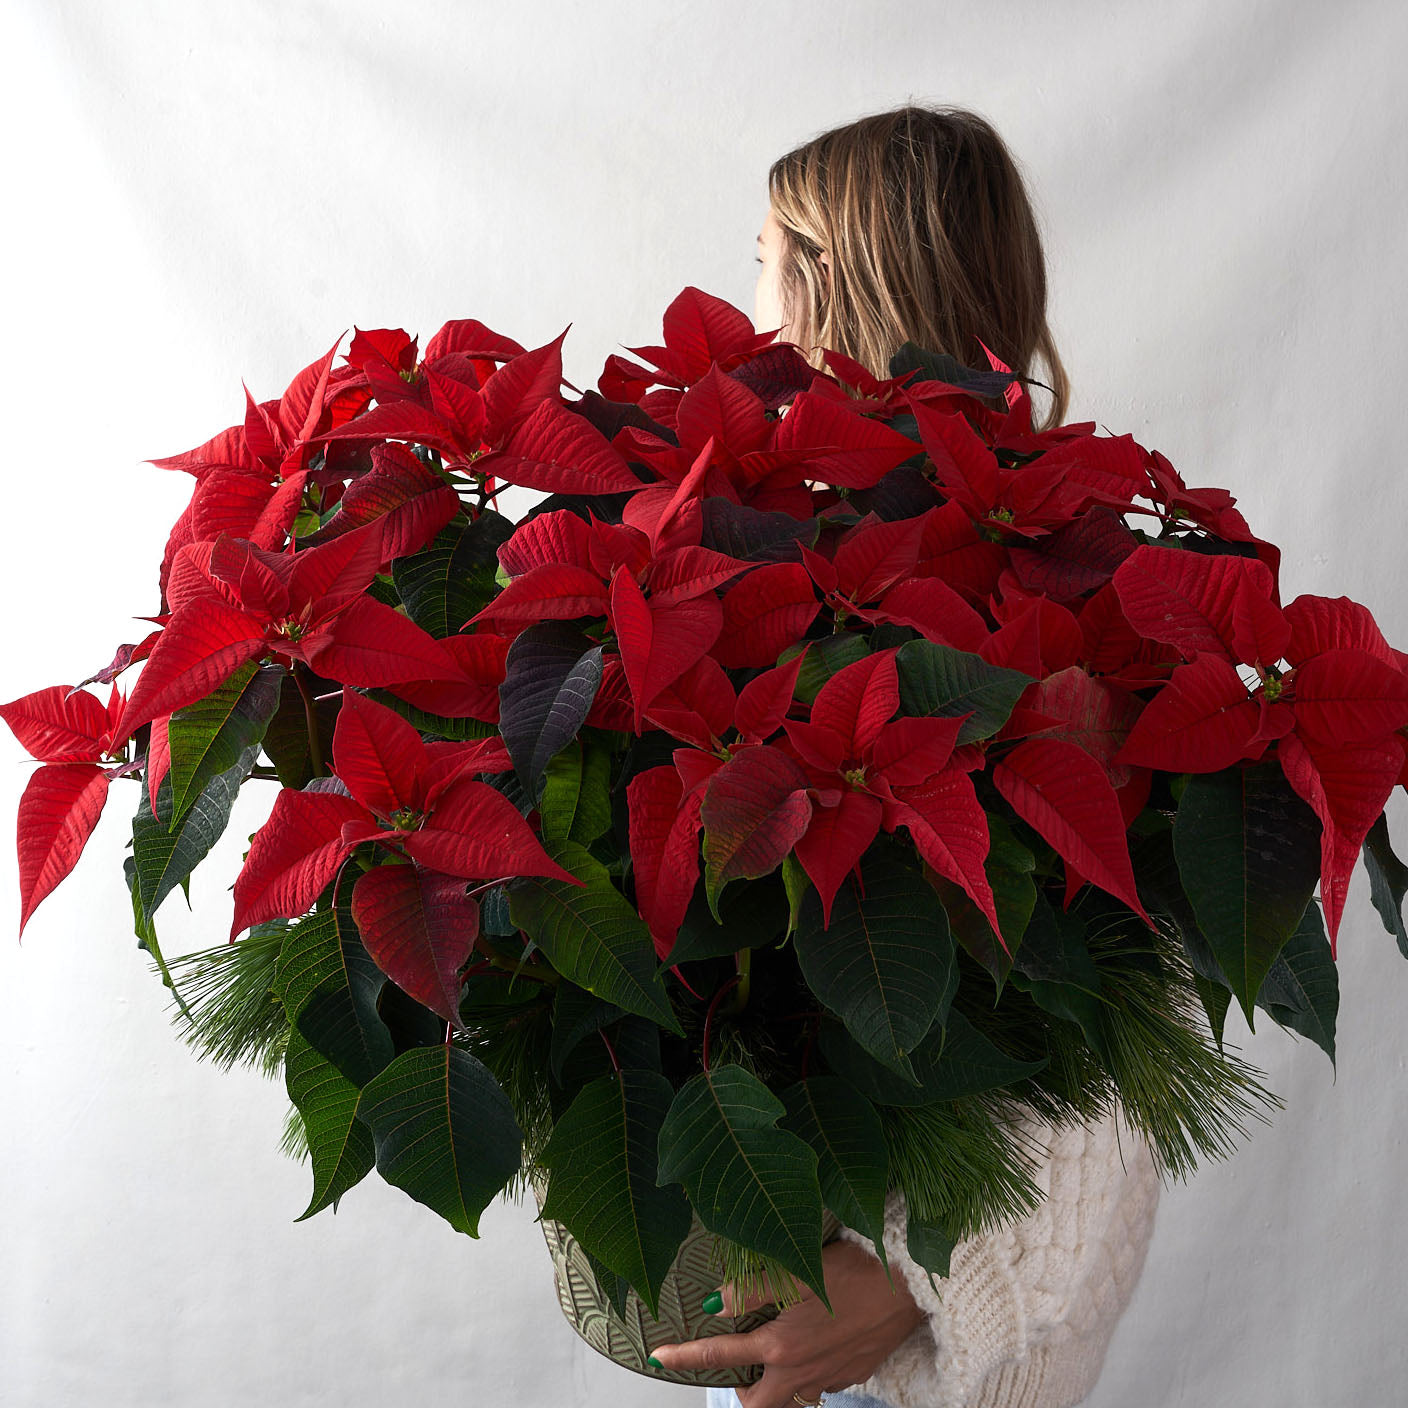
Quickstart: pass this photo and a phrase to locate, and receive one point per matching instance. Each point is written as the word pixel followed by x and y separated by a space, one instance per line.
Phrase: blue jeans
pixel 727 1398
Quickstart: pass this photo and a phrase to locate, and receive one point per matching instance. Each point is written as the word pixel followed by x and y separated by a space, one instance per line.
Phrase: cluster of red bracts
pixel 1141 657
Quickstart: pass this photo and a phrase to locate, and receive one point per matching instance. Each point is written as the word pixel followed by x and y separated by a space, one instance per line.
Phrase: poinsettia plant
pixel 826 766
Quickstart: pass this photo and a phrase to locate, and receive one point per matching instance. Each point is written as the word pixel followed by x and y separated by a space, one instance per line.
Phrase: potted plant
pixel 827 769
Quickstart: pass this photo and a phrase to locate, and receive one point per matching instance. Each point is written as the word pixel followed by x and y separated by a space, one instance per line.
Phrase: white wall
pixel 197 194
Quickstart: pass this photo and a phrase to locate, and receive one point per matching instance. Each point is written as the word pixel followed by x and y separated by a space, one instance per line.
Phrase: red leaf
pixel 1188 600
pixel 950 831
pixel 1093 714
pixel 202 646
pixel 1202 720
pixel 560 452
pixel 755 809
pixel 911 750
pixel 559 536
pixel 1320 623
pixel 844 447
pixel 552 592
pixel 476 832
pixel 1348 788
pixel 158 762
pixel 935 610
pixel 835 840
pixel 419 928
pixel 658 645
pixel 293 856
pixel 377 754
pixel 664 841
pixel 1349 696
pixel 770 609
pixel 764 701
pixel 373 644
pixel 57 813
pixel 1061 791
pixel 856 701
pixel 57 726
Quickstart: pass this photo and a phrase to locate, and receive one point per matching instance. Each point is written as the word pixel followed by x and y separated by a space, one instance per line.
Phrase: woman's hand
pixel 806 1350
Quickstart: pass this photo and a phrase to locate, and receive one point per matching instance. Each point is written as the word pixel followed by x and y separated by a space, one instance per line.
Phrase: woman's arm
pixel 1050 1286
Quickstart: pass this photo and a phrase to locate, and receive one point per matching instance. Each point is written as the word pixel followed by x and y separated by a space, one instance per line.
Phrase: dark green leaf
pixel 592 934
pixel 576 800
pixel 1388 881
pixel 575 1014
pixel 1009 866
pixel 950 1062
pixel 448 582
pixel 210 736
pixel 1248 851
pixel 754 912
pixel 842 1126
pixel 825 657
pixel 748 1180
pixel 603 1161
pixel 1302 988
pixel 329 987
pixel 165 858
pixel 285 739
pixel 444 1131
pixel 551 676
pixel 339 1144
pixel 930 1245
pixel 941 681
pixel 885 964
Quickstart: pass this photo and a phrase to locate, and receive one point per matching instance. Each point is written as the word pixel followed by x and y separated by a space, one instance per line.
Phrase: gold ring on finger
pixel 808 1402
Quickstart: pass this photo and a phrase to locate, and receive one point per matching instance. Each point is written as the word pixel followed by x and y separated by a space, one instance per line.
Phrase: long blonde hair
pixel 930 236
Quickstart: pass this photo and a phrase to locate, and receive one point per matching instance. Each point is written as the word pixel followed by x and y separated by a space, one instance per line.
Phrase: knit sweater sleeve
pixel 1025 1316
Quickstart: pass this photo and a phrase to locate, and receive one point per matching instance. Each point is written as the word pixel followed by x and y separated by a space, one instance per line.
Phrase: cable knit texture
pixel 1026 1315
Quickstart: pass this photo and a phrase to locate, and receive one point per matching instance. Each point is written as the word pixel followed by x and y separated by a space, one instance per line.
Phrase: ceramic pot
pixel 630 1338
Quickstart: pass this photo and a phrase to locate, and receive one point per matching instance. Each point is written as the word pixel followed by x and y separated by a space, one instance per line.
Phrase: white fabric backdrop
pixel 199 194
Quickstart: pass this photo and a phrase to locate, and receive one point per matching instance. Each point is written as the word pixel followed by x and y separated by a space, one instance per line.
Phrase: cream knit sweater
pixel 1026 1315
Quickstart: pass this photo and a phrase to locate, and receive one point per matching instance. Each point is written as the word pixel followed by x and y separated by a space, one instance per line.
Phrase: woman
pixel 914 224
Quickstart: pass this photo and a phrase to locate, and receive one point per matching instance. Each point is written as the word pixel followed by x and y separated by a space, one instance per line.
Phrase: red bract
pixel 234 603
pixel 420 800
pixel 71 733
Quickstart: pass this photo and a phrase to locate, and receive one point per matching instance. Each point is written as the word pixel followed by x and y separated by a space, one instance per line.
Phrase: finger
pixel 714 1351
pixel 771 1391
pixel 726 1301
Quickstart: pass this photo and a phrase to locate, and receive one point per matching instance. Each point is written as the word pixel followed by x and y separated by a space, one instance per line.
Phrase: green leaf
pixel 845 1131
pixel 329 987
pixel 603 1160
pixel 210 736
pixel 748 1180
pixel 445 584
pixel 1055 967
pixel 165 858
pixel 950 1062
pixel 1216 999
pixel 339 1144
pixel 826 657
pixel 285 740
pixel 1388 881
pixel 941 681
pixel 576 800
pixel 754 912
pixel 886 963
pixel 1302 988
pixel 930 1245
pixel 575 1014
pixel 445 1132
pixel 1248 852
pixel 1009 867
pixel 592 934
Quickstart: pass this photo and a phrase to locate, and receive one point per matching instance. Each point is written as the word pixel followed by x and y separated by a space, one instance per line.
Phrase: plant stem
pixel 744 960
pixel 310 714
pixel 709 1020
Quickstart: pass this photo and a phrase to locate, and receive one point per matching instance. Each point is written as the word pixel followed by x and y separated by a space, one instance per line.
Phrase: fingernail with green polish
pixel 654 1362
pixel 713 1303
